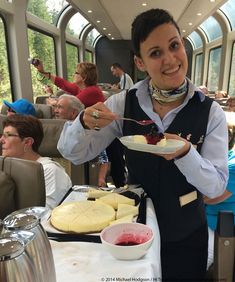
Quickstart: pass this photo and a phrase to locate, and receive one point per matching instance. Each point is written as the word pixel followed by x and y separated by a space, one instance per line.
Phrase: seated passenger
pixel 84 87
pixel 68 107
pixel 224 202
pixel 221 94
pixel 231 104
pixel 21 138
pixel 21 106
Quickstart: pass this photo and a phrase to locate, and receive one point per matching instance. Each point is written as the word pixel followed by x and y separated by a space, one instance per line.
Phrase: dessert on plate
pixel 153 137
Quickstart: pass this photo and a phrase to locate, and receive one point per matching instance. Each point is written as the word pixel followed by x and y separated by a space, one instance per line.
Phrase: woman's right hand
pixel 97 116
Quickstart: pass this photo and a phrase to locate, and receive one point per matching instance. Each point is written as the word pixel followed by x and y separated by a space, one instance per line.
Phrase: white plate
pixel 171 146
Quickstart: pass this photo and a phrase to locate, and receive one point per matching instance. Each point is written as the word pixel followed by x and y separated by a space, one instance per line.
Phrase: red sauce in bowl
pixel 131 240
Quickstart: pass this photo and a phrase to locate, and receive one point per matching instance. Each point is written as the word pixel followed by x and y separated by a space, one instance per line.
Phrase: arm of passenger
pixel 57 184
pixel 80 145
pixel 67 86
pixel 208 172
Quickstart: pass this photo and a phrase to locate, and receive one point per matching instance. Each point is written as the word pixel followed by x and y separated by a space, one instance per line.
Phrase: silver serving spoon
pixel 141 122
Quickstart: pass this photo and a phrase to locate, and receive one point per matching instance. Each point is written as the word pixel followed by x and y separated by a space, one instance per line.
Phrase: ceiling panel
pixel 117 15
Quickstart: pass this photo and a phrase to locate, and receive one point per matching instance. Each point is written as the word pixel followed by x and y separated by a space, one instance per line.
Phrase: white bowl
pixel 135 240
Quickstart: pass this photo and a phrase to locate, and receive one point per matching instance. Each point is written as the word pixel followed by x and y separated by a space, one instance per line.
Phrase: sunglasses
pixel 10 110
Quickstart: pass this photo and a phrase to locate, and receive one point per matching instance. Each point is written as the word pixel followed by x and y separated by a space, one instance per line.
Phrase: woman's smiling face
pixel 163 57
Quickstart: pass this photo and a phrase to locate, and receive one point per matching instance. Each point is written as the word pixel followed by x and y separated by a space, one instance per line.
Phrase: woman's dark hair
pixel 145 23
pixel 26 126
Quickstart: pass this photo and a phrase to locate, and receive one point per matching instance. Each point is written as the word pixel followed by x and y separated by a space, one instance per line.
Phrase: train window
pixel 198 69
pixel 47 10
pixel 91 37
pixel 214 69
pixel 42 47
pixel 228 9
pixel 231 88
pixel 72 59
pixel 196 39
pixel 76 25
pixel 88 56
pixel 212 28
pixel 5 86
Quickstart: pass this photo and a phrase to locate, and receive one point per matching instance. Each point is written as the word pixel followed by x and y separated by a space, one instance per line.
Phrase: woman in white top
pixel 21 138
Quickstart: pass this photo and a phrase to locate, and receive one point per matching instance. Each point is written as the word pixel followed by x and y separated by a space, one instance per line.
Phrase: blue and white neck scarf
pixel 167 96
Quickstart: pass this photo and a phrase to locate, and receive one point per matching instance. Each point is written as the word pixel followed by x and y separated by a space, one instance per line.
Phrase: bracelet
pixel 82 121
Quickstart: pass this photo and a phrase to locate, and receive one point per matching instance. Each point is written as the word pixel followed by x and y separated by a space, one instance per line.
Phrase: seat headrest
pixel 52 129
pixel 2 118
pixel 22 184
pixel 41 99
pixel 43 111
pixel 7 195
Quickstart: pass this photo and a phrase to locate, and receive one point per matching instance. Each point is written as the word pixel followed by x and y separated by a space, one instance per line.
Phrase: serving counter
pixel 90 262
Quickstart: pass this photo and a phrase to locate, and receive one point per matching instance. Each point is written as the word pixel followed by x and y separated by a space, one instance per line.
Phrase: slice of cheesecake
pixel 124 210
pixel 114 199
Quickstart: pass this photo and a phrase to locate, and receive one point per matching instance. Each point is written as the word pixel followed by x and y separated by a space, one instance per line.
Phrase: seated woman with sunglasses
pixel 84 86
pixel 21 138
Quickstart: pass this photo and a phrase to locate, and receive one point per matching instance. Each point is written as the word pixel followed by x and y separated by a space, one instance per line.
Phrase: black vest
pixel 161 179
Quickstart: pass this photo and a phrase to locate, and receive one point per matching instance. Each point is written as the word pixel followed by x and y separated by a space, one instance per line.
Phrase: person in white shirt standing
pixel 125 80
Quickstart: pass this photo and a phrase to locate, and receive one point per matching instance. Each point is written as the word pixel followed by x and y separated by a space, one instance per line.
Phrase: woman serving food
pixel 177 181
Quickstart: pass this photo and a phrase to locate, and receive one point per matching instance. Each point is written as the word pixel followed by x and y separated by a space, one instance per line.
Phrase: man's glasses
pixel 8 134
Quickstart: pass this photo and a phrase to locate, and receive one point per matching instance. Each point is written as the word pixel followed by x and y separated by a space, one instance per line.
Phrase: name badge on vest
pixel 188 198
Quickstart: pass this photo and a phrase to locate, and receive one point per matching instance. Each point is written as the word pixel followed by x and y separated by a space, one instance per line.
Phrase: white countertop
pixel 90 262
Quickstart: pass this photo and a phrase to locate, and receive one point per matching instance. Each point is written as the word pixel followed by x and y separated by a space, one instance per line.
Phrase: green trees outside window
pixel 198 69
pixel 41 46
pixel 214 69
pixel 72 60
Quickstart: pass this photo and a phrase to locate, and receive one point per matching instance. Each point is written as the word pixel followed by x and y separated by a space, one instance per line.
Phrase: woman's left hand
pixel 179 153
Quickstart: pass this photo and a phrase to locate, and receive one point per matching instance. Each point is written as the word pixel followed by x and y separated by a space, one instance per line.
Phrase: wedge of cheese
pixel 124 210
pixel 125 219
pixel 114 199
pixel 96 193
pixel 82 216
